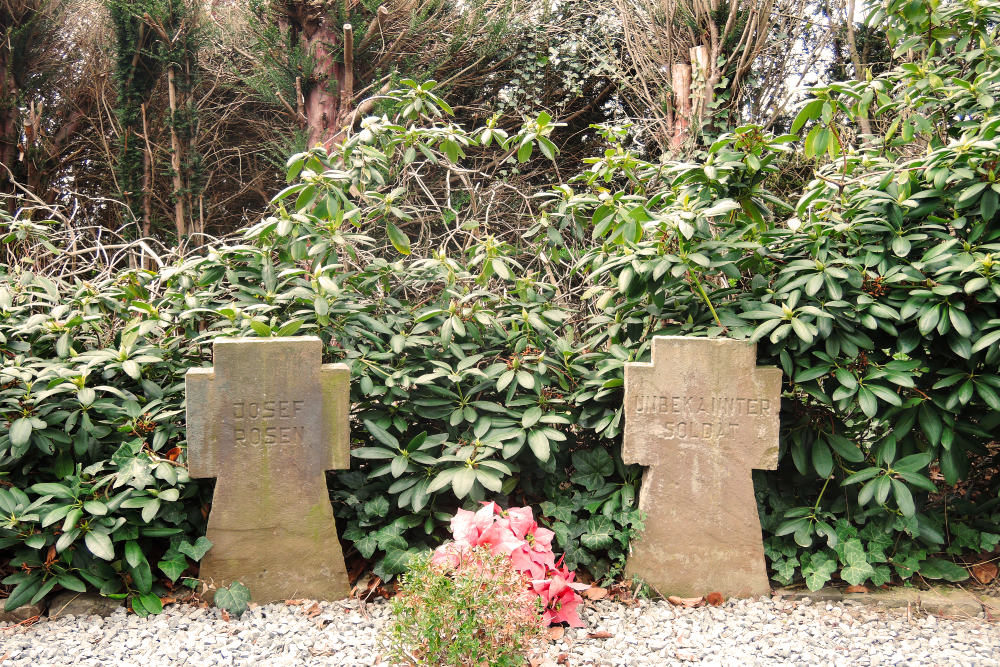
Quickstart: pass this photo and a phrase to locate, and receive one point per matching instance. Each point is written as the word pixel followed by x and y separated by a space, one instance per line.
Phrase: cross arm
pixel 198 389
pixel 335 384
pixel 768 380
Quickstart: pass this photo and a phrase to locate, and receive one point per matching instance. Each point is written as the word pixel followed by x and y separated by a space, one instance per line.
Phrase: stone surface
pixel 22 613
pixel 941 600
pixel 267 420
pixel 69 603
pixel 701 416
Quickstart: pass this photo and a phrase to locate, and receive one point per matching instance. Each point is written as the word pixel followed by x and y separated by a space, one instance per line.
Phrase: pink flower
pixel 515 533
pixel 466 526
pixel 559 598
pixel 447 556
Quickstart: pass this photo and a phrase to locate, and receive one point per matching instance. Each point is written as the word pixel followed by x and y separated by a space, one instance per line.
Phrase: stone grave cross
pixel 267 420
pixel 701 416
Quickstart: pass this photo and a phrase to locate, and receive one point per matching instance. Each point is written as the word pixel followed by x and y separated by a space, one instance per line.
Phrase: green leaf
pixel 22 593
pixel 174 566
pixel 133 553
pixel 141 576
pixel 71 583
pixel 20 431
pixel 463 480
pixel 399 240
pixel 197 550
pixel 539 444
pixel 381 434
pixel 938 568
pixel 396 561
pixel 235 598
pixel 95 507
pixel 866 399
pixel 904 500
pixel 599 533
pixel 821 459
pixel 99 545
pixel 845 448
pixel 857 572
pixel 531 416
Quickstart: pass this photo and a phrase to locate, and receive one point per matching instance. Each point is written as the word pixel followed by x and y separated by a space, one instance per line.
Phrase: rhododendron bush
pixel 515 534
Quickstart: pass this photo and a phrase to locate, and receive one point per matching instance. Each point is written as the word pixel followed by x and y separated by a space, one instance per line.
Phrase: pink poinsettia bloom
pixel 559 598
pixel 529 547
pixel 447 556
pixel 467 527
pixel 500 538
pixel 516 534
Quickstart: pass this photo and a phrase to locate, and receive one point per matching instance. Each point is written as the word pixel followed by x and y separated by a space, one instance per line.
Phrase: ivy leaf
pixel 197 550
pixel 235 598
pixel 599 533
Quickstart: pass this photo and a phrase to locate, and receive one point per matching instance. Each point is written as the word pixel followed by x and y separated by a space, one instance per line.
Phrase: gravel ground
pixel 740 632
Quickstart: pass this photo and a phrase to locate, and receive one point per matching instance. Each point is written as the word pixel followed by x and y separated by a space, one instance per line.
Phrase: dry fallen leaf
pixel 715 599
pixel 541 662
pixel 225 615
pixel 165 600
pixel 314 610
pixel 600 634
pixel 984 572
pixel 555 633
pixel 563 659
pixel 293 603
pixel 856 589
pixel 685 602
pixel 595 593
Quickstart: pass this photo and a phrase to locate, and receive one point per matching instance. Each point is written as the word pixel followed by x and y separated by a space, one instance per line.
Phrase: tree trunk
pixel 680 74
pixel 176 151
pixel 852 46
pixel 321 104
pixel 9 133
pixel 147 180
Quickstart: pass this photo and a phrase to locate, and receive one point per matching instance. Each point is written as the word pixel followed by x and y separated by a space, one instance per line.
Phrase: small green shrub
pixel 476 613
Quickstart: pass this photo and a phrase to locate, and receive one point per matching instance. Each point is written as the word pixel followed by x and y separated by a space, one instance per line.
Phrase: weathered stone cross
pixel 701 415
pixel 267 421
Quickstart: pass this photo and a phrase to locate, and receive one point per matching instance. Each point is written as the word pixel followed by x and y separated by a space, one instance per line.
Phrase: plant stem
pixel 701 290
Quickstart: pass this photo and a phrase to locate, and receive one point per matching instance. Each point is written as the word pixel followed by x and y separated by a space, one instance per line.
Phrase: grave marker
pixel 701 416
pixel 267 420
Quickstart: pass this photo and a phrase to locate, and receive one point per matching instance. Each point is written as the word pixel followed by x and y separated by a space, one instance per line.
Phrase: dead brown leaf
pixel 563 659
pixel 540 662
pixel 715 599
pixel 984 572
pixel 314 610
pixel 555 633
pixel 600 634
pixel 294 603
pixel 856 589
pixel 166 599
pixel 685 602
pixel 225 615
pixel 595 593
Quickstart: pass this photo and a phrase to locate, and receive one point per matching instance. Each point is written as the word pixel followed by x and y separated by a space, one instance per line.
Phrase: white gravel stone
pixel 739 633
